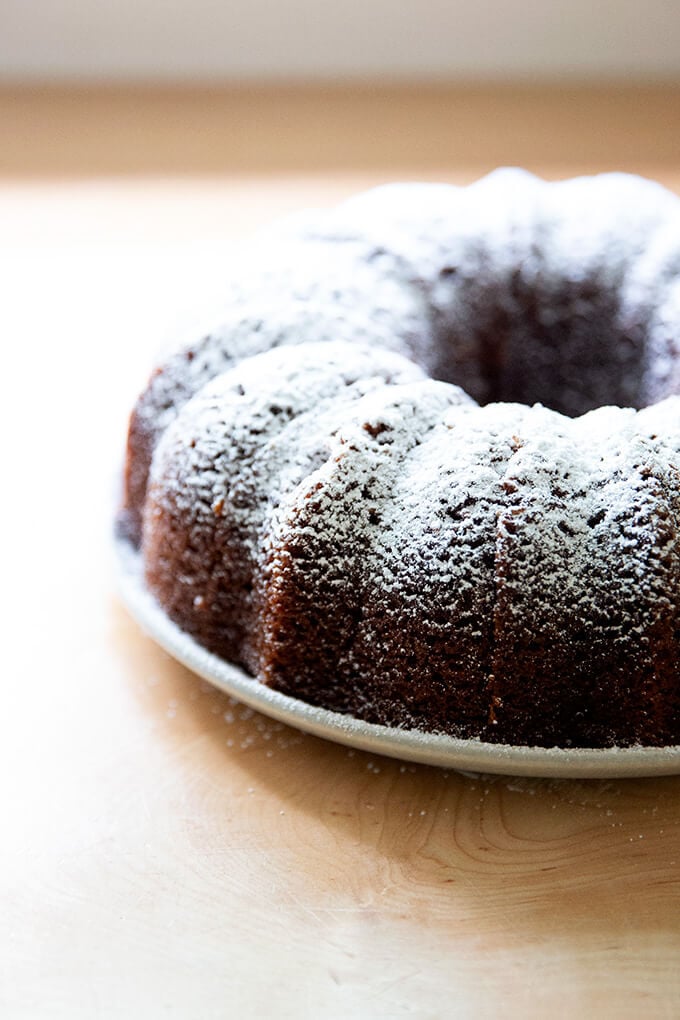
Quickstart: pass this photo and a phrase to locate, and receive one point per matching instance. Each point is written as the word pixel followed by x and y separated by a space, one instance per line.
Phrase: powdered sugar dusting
pixel 445 562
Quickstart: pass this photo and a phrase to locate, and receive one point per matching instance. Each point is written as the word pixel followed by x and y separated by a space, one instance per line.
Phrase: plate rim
pixel 441 750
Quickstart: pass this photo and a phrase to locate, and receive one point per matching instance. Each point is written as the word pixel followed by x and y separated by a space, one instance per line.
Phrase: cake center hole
pixel 571 353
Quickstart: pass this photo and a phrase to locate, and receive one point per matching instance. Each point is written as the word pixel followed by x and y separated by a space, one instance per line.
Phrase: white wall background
pixel 336 39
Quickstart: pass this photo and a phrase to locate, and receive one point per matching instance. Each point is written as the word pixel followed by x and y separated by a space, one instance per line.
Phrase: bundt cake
pixel 426 471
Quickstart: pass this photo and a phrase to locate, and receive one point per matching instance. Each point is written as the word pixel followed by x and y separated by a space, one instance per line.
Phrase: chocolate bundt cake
pixel 426 471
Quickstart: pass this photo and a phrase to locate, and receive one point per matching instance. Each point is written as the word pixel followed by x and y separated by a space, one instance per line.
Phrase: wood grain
pixel 167 852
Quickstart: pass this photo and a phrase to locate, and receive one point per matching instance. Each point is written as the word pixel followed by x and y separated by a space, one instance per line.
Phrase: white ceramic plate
pixel 411 745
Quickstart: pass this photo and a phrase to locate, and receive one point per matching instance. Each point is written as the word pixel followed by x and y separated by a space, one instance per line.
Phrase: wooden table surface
pixel 166 852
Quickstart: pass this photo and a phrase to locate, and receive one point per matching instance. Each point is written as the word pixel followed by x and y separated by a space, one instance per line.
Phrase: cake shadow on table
pixel 349 489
